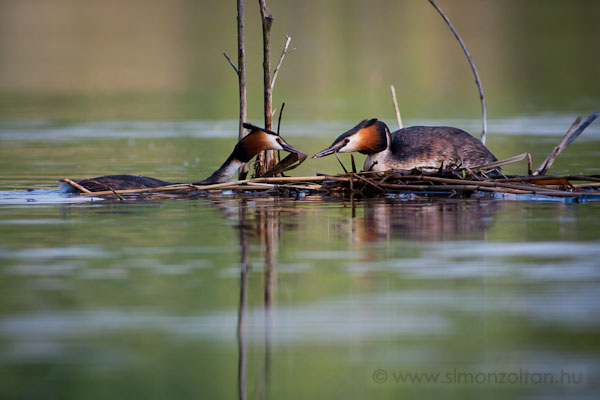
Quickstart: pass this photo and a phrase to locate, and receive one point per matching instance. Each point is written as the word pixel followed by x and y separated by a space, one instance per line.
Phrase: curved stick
pixel 477 80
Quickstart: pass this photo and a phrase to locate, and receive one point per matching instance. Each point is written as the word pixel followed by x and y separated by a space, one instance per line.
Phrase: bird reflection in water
pixel 431 220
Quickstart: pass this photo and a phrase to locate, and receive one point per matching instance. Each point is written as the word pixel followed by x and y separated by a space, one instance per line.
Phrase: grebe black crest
pixel 257 140
pixel 428 148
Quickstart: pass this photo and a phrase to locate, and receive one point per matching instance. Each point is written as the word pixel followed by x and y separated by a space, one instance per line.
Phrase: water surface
pixel 226 297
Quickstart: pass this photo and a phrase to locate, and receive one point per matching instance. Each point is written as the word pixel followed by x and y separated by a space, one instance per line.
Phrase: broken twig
pixel 284 53
pixel 572 134
pixel 237 72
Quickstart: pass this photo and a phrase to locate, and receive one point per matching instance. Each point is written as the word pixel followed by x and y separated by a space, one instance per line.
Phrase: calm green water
pixel 287 298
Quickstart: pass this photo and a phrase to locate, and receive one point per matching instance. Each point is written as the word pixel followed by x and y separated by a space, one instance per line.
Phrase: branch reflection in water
pixel 265 228
pixel 244 267
pixel 368 221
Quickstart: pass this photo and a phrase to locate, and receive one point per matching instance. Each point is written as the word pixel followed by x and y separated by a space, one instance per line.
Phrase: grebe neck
pixel 224 173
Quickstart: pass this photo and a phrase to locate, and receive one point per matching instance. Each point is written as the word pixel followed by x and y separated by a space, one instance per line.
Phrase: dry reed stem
pixel 586 185
pixel 396 109
pixel 115 193
pixel 334 183
pixel 340 161
pixel 550 177
pixel 369 182
pixel 353 163
pixel 498 163
pixel 75 185
pixel 485 183
pixel 240 185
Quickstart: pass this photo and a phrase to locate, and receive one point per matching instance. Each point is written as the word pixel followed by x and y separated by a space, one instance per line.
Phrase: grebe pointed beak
pixel 328 151
pixel 290 149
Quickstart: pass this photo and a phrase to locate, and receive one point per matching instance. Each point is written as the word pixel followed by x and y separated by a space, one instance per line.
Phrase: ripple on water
pixel 41 196
pixel 337 319
pixel 538 261
pixel 56 253
pixel 37 222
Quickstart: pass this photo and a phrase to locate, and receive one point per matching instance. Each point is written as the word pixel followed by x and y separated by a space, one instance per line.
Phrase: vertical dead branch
pixel 242 75
pixel 398 118
pixel 477 80
pixel 240 70
pixel 266 159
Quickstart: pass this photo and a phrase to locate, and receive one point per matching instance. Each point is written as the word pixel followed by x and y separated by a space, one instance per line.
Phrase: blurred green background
pixel 162 59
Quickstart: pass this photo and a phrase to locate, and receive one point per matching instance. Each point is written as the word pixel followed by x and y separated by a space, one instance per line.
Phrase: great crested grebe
pixel 257 140
pixel 428 148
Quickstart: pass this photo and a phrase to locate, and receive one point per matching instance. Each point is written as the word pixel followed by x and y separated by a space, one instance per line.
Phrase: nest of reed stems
pixel 377 184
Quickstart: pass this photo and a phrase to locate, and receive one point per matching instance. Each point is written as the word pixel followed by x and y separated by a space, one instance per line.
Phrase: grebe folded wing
pixel 114 182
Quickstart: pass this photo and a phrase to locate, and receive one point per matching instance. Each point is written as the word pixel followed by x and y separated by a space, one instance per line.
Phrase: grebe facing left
pixel 428 148
pixel 257 140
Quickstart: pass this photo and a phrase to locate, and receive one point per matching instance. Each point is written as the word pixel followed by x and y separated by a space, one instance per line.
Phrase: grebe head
pixel 257 140
pixel 368 137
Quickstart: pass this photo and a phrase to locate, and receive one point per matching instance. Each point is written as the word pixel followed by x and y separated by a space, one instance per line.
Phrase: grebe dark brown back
pixel 428 148
pixel 257 140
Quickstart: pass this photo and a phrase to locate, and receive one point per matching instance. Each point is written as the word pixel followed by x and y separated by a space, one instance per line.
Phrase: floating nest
pixel 377 184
